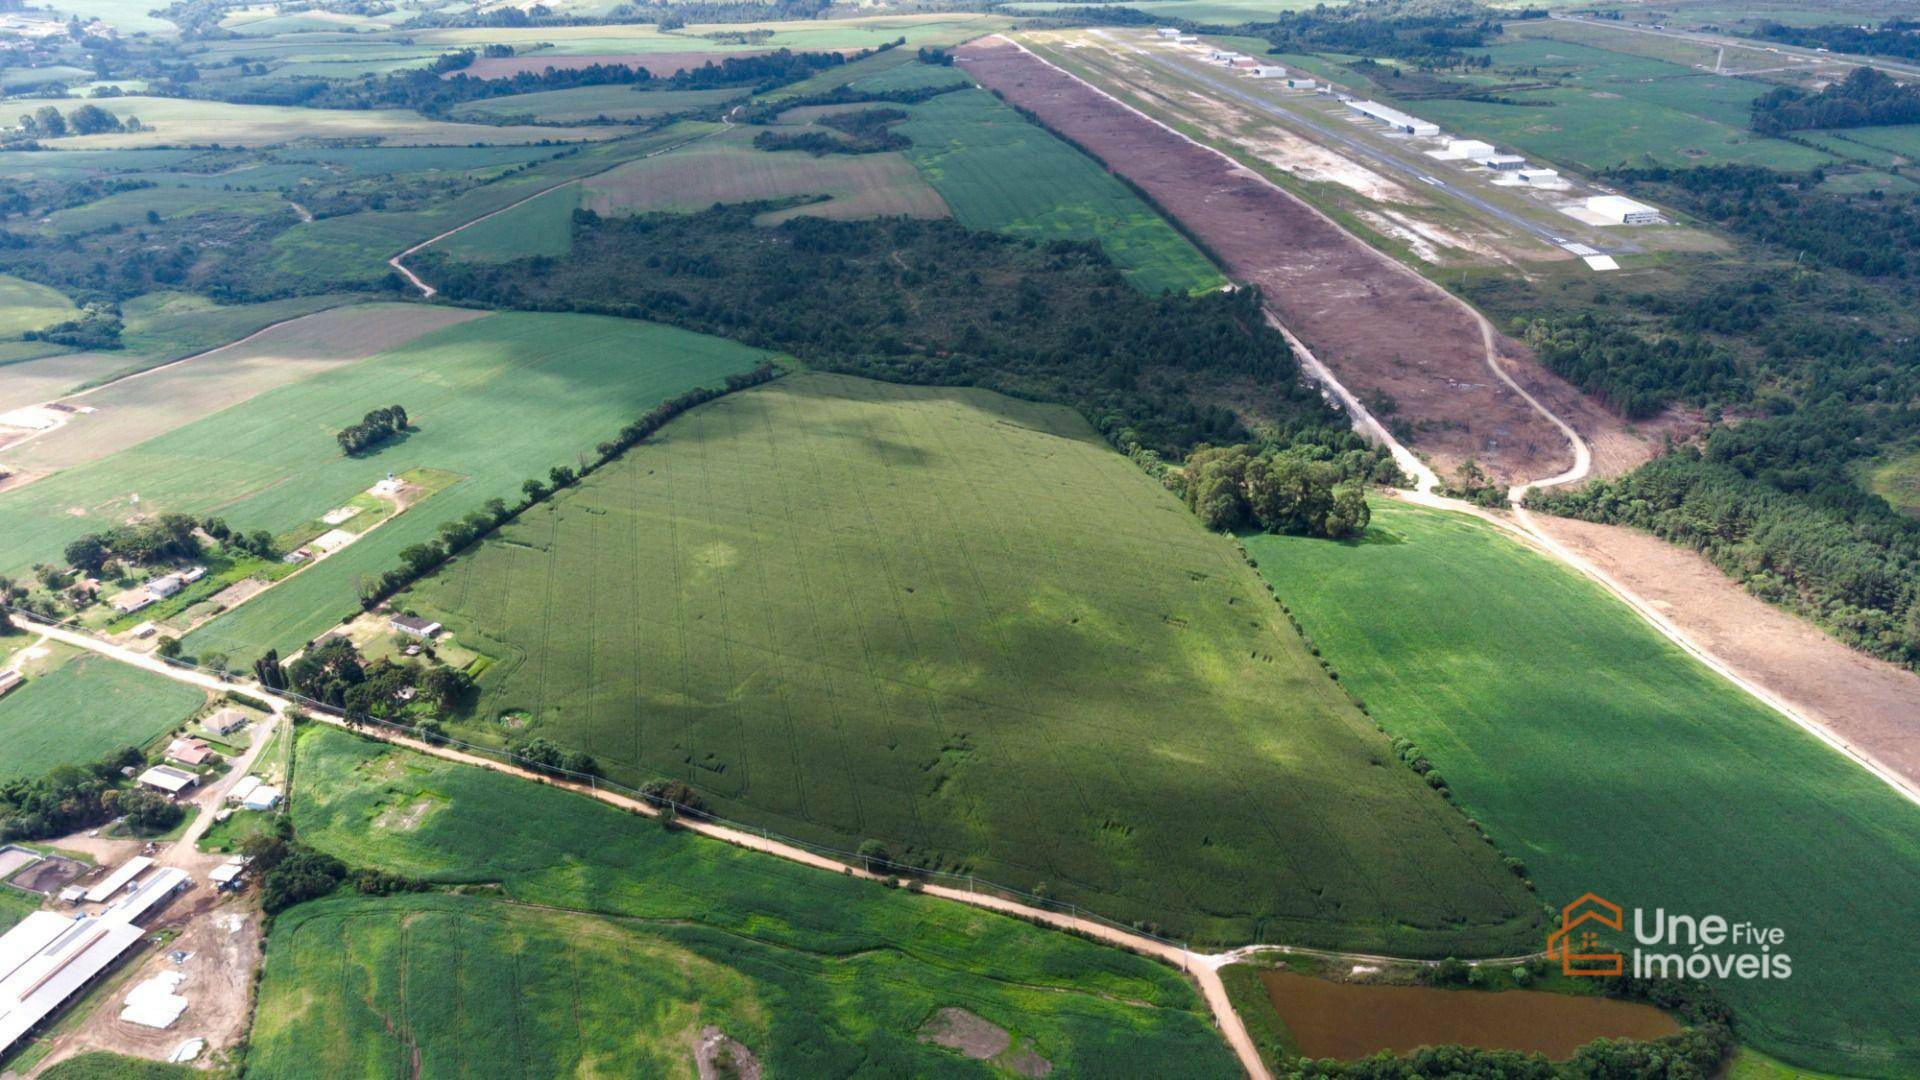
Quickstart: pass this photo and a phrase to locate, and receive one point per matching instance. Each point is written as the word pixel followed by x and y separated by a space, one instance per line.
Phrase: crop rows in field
pixel 1608 760
pixel 846 609
pixel 641 934
pixel 82 709
pixel 1001 172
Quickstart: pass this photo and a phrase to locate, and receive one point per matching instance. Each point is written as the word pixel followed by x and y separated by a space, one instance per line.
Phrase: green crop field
pixel 494 400
pixel 842 609
pixel 26 306
pixel 84 709
pixel 626 938
pixel 543 225
pixel 1619 109
pixel 354 248
pixel 176 121
pixel 998 171
pixel 726 168
pixel 1607 760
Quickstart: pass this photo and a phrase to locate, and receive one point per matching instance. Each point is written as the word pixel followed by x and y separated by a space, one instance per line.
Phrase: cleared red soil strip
pixel 1869 704
pixel 1386 333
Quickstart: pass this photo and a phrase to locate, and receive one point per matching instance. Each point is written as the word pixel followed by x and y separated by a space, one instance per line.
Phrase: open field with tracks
pixel 815 973
pixel 76 709
pixel 494 401
pixel 838 608
pixel 1609 761
pixel 185 122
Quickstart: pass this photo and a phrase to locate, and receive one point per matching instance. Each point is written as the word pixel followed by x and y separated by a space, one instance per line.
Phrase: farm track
pixel 1202 968
pixel 427 292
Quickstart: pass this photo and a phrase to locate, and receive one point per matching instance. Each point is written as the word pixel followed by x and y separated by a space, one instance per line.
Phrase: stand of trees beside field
pixel 1236 487
pixel 1867 97
pixel 1894 37
pixel 374 429
pixel 931 302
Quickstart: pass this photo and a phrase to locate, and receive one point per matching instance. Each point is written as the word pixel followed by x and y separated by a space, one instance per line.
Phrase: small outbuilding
pixel 225 721
pixel 414 625
pixel 166 585
pixel 263 797
pixel 1505 162
pixel 168 779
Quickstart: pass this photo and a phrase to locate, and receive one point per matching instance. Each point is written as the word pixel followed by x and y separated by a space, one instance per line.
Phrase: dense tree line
pixel 1874 235
pixel 97 328
pixel 290 872
pixel 167 538
pixel 1636 375
pixel 46 122
pixel 375 428
pixel 765 112
pixel 1287 491
pixel 1867 97
pixel 1895 37
pixel 867 131
pixel 68 798
pixel 1405 29
pixel 931 302
pixel 436 89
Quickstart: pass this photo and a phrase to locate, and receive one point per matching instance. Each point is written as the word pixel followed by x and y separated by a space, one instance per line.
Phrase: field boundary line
pixel 428 292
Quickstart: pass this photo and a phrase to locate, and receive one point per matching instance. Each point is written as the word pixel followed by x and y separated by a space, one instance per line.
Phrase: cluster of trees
pixel 437 88
pixel 868 131
pixel 1637 375
pixel 334 672
pixel 1895 37
pixel 1234 487
pixel 98 328
pixel 167 537
pixel 373 429
pixel 1873 235
pixel 931 302
pixel 47 123
pixel 1406 29
pixel 291 873
pixel 1866 97
pixel 419 560
pixel 766 111
pixel 543 756
pixel 72 797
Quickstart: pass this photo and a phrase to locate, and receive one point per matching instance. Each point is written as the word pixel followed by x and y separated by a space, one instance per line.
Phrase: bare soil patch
pixel 1396 340
pixel 1867 703
pixel 657 63
pixel 972 1035
pixel 49 875
pixel 719 1056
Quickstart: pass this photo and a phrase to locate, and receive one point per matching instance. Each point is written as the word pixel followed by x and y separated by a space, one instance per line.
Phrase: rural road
pixel 427 292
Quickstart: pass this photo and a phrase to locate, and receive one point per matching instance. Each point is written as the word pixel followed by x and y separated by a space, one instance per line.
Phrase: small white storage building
pixel 1505 162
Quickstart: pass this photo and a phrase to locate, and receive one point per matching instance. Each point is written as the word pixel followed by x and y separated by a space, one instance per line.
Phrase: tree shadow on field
pixel 1375 536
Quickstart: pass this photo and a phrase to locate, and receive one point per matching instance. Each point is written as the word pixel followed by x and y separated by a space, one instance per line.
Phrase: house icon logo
pixel 1577 942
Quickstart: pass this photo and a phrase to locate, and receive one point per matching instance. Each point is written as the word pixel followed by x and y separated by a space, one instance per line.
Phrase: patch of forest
pixel 1867 97
pixel 930 302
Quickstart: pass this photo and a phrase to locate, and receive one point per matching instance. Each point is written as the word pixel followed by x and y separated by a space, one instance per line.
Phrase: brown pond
pixel 1353 1020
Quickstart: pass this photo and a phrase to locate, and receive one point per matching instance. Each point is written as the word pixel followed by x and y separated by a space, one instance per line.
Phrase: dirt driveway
pixel 1405 347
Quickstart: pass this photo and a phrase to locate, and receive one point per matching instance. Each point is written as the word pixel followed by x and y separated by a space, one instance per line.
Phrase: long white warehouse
pixel 1394 118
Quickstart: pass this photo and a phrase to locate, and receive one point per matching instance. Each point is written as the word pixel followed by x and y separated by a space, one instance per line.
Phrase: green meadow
pixel 1000 172
pixel 83 708
pixel 1607 760
pixel 25 305
pixel 840 609
pixel 1617 109
pixel 495 401
pixel 594 937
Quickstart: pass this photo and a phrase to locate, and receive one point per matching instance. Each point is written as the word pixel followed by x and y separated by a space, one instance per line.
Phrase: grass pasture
pixel 817 973
pixel 26 305
pixel 183 121
pixel 592 103
pixel 495 401
pixel 131 411
pixel 726 168
pixel 1619 109
pixel 1000 172
pixel 83 708
pixel 842 609
pixel 1607 760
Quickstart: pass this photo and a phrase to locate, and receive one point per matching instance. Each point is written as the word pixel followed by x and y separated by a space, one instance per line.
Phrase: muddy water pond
pixel 1352 1020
